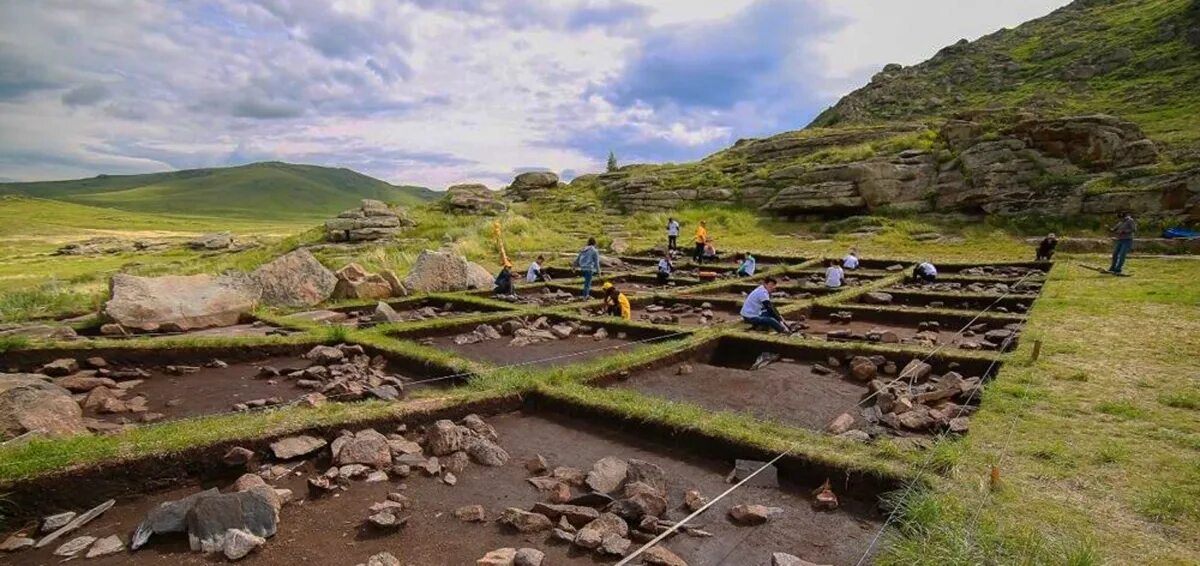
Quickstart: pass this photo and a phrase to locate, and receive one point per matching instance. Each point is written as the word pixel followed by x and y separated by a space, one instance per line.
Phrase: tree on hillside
pixel 612 162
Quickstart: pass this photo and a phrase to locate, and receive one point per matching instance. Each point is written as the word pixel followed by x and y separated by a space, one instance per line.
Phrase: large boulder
pixel 443 271
pixel 215 241
pixel 354 282
pixel 530 185
pixel 180 302
pixel 296 279
pixel 29 403
pixel 473 199
pixel 1096 142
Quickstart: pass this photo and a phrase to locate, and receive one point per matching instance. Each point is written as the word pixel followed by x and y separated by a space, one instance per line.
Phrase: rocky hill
pixel 263 191
pixel 1089 110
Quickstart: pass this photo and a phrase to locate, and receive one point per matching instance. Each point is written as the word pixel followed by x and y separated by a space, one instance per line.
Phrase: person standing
pixel 835 277
pixel 665 268
pixel 758 310
pixel 1045 249
pixel 615 302
pixel 850 261
pixel 504 282
pixel 701 239
pixel 672 234
pixel 588 263
pixel 1123 233
pixel 534 274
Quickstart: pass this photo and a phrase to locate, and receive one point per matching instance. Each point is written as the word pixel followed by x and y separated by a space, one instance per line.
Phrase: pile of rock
pixel 675 313
pixel 911 400
pixel 445 271
pixel 344 372
pixel 1004 271
pixel 372 220
pixel 354 282
pixel 473 199
pixel 531 185
pixel 105 245
pixel 996 287
pixel 547 296
pixel 525 332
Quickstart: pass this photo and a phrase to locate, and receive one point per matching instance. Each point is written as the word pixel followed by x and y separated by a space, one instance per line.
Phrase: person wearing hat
pixel 504 281
pixel 615 302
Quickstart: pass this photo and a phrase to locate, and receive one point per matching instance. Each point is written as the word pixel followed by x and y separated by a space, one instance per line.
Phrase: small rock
pixel 471 513
pixel 387 520
pixel 60 368
pixel 536 465
pixel 383 559
pixel 239 544
pixel 685 369
pixel 524 521
pixel 660 556
pixel 57 521
pixel 74 546
pixel 16 542
pixel 693 500
pixel 528 557
pixel 753 514
pixel 842 423
pixel 237 456
pixel 449 479
pixel 784 559
pixel 296 446
pixel 498 557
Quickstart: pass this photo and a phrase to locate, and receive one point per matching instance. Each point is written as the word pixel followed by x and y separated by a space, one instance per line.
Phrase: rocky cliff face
pixel 1063 166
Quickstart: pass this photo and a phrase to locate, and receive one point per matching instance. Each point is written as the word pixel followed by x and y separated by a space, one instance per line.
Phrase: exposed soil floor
pixel 785 392
pixel 237 330
pixel 546 354
pixel 996 302
pixel 945 336
pixel 211 390
pixel 328 531
pixel 363 316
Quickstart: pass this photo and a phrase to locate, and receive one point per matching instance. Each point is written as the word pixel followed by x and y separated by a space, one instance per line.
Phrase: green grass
pixel 259 191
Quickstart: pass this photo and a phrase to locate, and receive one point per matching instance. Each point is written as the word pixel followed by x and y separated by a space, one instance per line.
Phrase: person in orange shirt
pixel 701 239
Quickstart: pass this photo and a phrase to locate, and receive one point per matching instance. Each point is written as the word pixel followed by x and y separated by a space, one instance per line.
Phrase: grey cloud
pixel 265 109
pixel 20 76
pixel 86 95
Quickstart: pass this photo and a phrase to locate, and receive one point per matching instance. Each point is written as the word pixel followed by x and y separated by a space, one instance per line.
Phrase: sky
pixel 439 92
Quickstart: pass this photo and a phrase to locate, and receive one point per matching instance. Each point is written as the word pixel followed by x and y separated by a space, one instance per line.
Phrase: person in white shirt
pixel 925 271
pixel 850 261
pixel 672 234
pixel 834 276
pixel 758 310
pixel 534 274
pixel 665 269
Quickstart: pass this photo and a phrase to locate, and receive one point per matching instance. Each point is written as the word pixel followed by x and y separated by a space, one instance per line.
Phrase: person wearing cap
pixel 1045 249
pixel 615 302
pixel 504 281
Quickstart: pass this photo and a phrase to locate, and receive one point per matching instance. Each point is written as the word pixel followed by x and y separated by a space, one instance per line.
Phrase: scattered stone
pixel 367 447
pixel 471 513
pixel 528 557
pixel 212 517
pixel 525 521
pixel 387 520
pixel 753 514
pixel 575 515
pixel 487 453
pixel 57 521
pixel 877 298
pixel 296 446
pixel 608 474
pixel 661 556
pixel 16 542
pixel 77 522
pixel 74 546
pixel 537 465
pixel 693 500
pixel 383 559
pixel 61 367
pixel 784 559
pixel 615 545
pixel 841 424
pixel 825 500
pixel 498 557
pixel 239 544
pixel 767 478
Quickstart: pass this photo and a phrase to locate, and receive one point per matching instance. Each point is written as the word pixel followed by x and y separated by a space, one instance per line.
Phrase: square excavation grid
pixel 129 386
pixel 537 340
pixel 810 387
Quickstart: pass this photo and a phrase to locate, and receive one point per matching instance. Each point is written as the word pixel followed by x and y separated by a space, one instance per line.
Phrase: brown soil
pixel 786 392
pixel 213 390
pixel 328 531
pixel 904 331
pixel 567 351
pixel 237 330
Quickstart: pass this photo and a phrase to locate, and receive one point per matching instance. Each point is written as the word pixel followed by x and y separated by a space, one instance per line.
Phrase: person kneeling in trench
pixel 758 310
pixel 504 281
pixel 615 302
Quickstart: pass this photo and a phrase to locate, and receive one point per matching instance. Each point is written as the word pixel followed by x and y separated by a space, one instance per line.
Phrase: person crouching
pixel 758 311
pixel 615 302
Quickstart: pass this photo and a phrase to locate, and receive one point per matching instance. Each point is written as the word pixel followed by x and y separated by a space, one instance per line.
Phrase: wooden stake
pixel 995 477
pixel 1037 349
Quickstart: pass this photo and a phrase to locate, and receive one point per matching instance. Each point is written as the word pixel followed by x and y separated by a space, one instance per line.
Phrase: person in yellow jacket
pixel 615 302
pixel 701 239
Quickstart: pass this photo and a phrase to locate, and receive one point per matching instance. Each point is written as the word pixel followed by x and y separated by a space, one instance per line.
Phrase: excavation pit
pixel 190 382
pixel 738 291
pixel 802 387
pixel 537 341
pixel 247 326
pixel 952 301
pixel 850 323
pixel 413 310
pixel 331 529
pixel 692 311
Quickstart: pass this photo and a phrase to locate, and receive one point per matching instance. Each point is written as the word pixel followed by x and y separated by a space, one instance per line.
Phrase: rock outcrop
pixel 531 185
pixel 214 241
pixel 443 271
pixel 296 279
pixel 354 282
pixel 29 403
pixel 178 303
pixel 372 220
pixel 473 199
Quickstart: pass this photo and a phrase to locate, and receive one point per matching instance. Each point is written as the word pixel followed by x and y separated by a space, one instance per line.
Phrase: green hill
pixel 1137 59
pixel 270 190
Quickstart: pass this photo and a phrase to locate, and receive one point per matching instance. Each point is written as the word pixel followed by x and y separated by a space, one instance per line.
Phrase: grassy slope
pixel 1155 88
pixel 1098 442
pixel 259 191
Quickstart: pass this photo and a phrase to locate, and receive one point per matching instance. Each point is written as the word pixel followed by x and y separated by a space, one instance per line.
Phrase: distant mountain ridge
pixel 266 190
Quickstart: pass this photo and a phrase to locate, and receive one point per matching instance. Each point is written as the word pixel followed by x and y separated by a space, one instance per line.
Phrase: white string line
pixel 677 525
pixel 270 408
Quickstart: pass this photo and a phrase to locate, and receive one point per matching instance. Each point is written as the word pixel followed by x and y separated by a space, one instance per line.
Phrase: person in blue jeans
pixel 758 310
pixel 1123 233
pixel 588 263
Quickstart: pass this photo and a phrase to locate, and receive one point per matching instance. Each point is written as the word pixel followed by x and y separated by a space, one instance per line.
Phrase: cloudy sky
pixel 436 92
